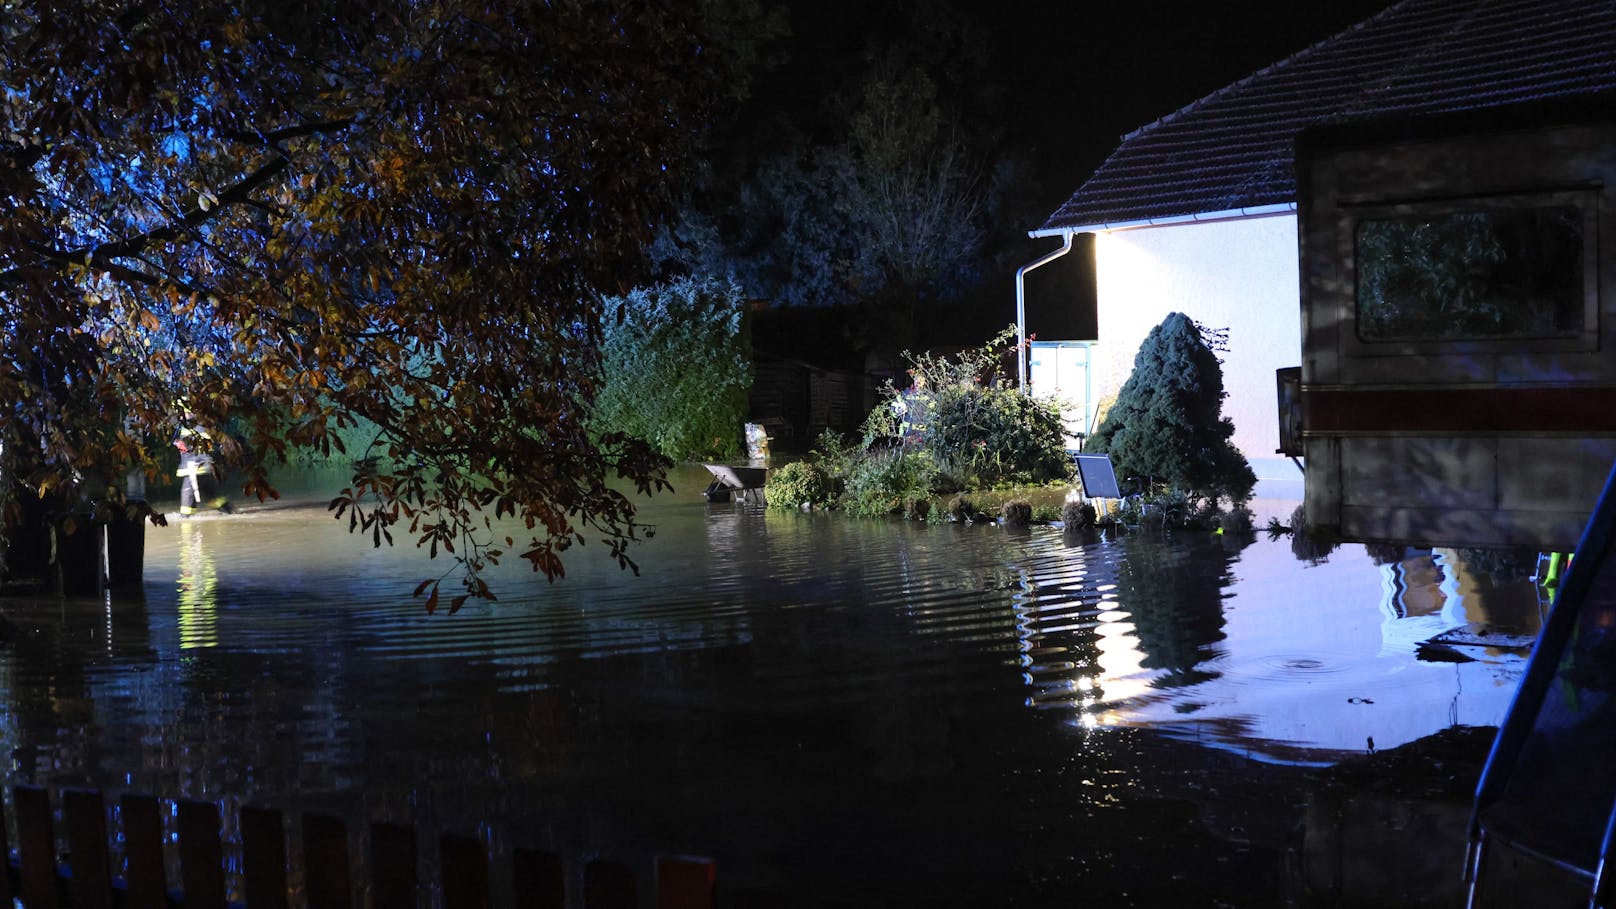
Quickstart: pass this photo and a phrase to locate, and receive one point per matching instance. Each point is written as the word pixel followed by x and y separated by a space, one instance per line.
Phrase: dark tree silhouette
pixel 867 172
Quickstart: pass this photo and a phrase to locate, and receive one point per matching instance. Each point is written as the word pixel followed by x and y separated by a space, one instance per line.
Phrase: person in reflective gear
pixel 197 478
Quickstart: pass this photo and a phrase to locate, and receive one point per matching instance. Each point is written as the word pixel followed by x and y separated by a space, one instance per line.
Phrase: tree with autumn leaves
pixel 286 218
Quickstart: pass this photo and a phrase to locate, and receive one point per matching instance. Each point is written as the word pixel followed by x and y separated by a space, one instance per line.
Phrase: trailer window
pixel 1501 272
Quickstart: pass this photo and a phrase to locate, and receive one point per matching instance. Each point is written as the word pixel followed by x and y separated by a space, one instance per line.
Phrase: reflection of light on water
pixel 1122 674
pixel 1305 663
pixel 1081 653
pixel 197 590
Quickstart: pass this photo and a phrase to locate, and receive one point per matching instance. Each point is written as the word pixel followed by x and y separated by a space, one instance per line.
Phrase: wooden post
pixel 539 881
pixel 91 883
pixel 394 868
pixel 609 885
pixel 36 843
pixel 263 858
pixel 86 882
pixel 201 855
pixel 145 879
pixel 325 863
pixel 685 883
pixel 465 872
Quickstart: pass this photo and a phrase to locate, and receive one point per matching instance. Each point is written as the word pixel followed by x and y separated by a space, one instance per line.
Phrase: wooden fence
pixel 83 876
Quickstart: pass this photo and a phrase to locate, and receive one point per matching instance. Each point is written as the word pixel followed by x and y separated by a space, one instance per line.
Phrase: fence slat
pixel 36 845
pixel 325 862
pixel 685 883
pixel 465 872
pixel 5 862
pixel 538 877
pixel 263 858
pixel 86 815
pixel 145 878
pixel 201 855
pixel 755 899
pixel 539 880
pixel 609 885
pixel 395 870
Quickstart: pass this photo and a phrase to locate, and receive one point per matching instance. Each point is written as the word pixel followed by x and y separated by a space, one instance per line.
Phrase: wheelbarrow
pixel 728 480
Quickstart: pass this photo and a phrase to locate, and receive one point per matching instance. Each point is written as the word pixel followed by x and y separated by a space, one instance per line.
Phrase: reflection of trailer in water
pixel 1458 384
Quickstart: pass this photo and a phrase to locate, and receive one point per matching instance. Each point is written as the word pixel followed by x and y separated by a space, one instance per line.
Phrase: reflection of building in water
pixel 198 582
pixel 1300 662
pixel 1429 591
pixel 1418 600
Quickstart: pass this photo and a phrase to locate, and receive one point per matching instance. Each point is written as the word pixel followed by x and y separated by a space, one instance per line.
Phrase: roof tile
pixel 1234 148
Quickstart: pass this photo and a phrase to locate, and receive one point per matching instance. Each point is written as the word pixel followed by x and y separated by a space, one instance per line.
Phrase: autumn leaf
pixel 322 216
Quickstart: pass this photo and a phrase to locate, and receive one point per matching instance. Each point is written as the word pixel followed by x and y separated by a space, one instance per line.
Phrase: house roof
pixel 1233 151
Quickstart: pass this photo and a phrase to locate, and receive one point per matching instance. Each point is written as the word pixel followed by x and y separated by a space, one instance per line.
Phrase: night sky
pixel 1086 73
pixel 1066 80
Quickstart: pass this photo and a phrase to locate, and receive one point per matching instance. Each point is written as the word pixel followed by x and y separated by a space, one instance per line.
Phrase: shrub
pixel 1161 508
pixel 1077 514
pixel 1237 521
pixel 961 510
pixel 956 429
pixel 676 368
pixel 917 509
pixel 978 431
pixel 800 483
pixel 1016 514
pixel 1166 422
pixel 884 481
pixel 835 455
pixel 1307 545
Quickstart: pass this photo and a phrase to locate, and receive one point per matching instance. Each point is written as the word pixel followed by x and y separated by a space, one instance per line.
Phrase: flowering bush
pixel 889 481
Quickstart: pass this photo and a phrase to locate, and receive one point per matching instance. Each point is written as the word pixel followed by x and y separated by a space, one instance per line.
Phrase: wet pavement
pixel 840 711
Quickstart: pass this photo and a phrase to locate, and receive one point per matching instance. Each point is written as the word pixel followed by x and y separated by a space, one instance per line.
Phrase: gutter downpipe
pixel 1021 306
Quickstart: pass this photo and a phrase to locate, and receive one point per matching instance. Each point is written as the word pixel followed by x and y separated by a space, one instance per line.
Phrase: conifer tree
pixel 1167 423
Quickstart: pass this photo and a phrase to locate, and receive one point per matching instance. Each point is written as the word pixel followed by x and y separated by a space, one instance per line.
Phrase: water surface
pixel 852 712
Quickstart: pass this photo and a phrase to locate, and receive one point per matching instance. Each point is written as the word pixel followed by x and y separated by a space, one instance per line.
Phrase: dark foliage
pixel 1174 595
pixel 286 217
pixel 678 364
pixel 868 171
pixel 978 429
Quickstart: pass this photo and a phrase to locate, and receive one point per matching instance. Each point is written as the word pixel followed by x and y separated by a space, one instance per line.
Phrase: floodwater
pixel 843 712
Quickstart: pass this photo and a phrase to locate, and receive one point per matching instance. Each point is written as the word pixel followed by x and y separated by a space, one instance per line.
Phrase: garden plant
pixel 959 426
pixel 1166 431
pixel 677 367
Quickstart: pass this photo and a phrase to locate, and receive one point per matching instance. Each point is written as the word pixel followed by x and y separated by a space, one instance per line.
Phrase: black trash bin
pixel 81 558
pixel 126 552
pixel 28 541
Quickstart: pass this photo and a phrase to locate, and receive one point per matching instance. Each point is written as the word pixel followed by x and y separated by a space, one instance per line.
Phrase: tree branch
pixel 286 132
pixel 105 254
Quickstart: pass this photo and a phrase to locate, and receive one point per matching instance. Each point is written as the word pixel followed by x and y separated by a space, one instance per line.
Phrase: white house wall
pixel 1238 274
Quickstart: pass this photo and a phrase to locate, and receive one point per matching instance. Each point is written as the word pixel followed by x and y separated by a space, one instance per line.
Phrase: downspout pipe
pixel 1021 307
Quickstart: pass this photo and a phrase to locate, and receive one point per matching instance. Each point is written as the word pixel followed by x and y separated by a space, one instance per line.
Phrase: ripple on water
pixel 763 630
